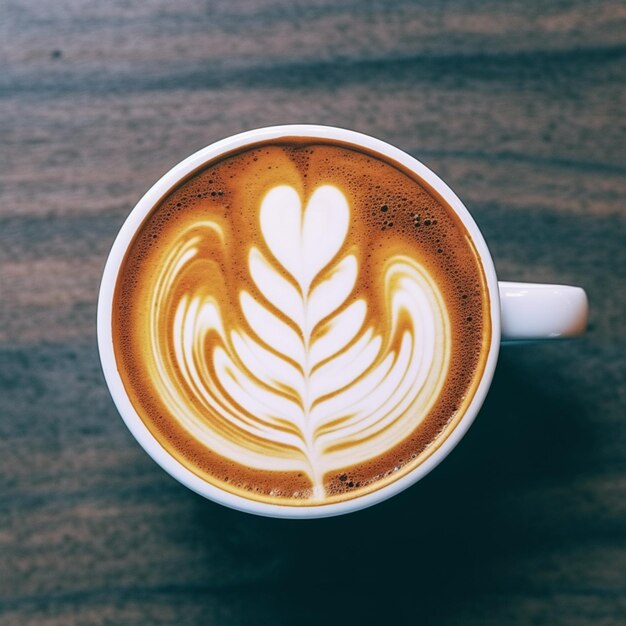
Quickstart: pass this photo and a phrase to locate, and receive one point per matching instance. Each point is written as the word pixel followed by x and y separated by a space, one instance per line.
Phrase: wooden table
pixel 519 105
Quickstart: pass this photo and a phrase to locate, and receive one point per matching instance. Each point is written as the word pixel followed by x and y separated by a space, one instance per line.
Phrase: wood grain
pixel 519 106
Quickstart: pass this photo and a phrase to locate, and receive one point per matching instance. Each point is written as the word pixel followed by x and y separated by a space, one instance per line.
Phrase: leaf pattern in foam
pixel 307 384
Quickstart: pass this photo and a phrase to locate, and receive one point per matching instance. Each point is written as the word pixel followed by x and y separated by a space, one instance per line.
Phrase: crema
pixel 301 322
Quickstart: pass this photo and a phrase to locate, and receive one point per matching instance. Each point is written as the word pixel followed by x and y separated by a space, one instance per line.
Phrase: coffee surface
pixel 301 322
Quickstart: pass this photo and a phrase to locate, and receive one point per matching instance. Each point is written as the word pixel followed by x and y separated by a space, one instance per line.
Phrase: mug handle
pixel 532 311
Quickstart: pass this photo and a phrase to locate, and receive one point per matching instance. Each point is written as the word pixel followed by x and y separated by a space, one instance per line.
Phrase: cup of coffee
pixel 302 321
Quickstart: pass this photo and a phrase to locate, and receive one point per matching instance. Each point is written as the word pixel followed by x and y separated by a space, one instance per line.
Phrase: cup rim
pixel 105 309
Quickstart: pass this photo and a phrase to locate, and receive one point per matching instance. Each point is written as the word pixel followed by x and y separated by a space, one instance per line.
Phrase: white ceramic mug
pixel 519 311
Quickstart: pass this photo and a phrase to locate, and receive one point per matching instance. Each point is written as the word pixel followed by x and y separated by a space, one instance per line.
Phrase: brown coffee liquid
pixel 172 377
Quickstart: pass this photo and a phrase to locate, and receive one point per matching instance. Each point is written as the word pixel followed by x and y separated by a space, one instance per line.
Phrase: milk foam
pixel 304 382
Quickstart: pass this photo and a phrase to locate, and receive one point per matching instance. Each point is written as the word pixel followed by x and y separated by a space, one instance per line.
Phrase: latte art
pixel 300 324
pixel 305 385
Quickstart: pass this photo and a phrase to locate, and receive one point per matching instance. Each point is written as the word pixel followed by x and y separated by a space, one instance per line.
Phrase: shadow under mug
pixel 519 312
